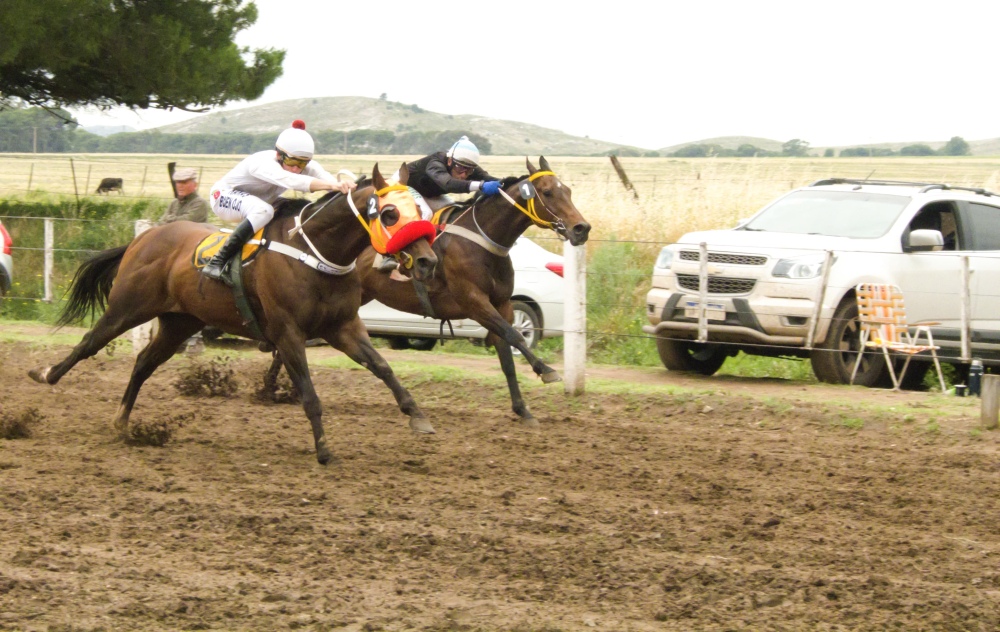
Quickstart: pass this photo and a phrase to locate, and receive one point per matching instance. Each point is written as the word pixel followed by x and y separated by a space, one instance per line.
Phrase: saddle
pixel 231 274
pixel 210 245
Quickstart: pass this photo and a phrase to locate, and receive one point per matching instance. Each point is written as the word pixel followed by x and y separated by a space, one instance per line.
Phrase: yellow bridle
pixel 530 211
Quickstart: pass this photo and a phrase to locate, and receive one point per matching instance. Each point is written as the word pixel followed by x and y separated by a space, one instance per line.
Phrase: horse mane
pixel 509 180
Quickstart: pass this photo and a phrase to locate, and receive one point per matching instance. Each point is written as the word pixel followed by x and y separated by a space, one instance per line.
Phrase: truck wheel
pixel 691 357
pixel 833 361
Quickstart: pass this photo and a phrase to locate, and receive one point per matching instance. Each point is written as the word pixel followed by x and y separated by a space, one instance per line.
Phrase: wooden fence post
pixel 623 176
pixel 76 191
pixel 990 401
pixel 49 245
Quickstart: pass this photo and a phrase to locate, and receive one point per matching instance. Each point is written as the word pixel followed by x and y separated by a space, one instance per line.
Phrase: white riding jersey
pixel 250 189
pixel 261 176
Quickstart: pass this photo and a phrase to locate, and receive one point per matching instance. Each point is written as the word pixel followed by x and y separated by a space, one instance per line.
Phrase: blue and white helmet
pixel 464 152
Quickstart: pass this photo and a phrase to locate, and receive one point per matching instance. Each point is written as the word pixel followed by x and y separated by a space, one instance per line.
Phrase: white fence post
pixel 49 264
pixel 143 333
pixel 820 297
pixel 702 291
pixel 966 310
pixel 575 323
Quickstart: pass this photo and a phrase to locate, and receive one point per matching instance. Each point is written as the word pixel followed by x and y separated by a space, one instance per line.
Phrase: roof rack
pixel 819 183
pixel 924 186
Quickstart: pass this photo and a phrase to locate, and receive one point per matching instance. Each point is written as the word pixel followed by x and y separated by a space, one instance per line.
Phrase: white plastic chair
pixel 882 316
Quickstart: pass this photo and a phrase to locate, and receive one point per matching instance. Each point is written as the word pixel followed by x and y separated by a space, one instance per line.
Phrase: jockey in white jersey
pixel 246 194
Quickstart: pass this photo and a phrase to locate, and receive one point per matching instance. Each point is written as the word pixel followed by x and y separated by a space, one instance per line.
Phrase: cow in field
pixel 108 185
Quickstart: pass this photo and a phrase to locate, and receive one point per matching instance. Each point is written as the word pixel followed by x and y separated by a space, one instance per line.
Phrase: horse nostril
pixel 581 230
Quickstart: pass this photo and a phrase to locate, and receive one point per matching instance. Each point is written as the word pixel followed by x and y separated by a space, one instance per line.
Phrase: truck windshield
pixel 856 214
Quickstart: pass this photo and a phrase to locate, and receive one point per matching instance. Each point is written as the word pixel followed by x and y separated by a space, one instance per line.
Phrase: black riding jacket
pixel 430 177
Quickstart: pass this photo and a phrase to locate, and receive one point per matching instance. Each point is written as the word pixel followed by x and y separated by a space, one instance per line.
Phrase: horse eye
pixel 389 215
pixel 547 193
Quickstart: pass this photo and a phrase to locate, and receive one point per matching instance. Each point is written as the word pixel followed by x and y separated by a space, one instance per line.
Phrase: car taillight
pixel 555 267
pixel 7 242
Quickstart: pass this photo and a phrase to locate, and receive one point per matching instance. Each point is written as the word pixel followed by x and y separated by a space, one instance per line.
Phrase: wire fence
pixel 48 251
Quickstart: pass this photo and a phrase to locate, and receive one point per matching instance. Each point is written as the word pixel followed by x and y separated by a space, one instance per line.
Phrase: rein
pixel 530 211
pixel 483 240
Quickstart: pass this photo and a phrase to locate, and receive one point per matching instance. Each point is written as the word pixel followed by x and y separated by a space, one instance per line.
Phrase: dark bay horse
pixel 153 277
pixel 475 277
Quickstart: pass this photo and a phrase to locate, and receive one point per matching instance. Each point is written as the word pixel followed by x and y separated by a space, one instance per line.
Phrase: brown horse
pixel 153 278
pixel 476 278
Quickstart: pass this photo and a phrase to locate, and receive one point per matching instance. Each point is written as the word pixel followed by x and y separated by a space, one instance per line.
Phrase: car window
pixel 981 225
pixel 855 214
pixel 939 216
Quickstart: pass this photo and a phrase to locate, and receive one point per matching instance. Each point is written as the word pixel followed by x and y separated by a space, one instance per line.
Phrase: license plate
pixel 713 311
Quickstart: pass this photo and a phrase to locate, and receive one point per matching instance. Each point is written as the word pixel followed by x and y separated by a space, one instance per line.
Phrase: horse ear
pixel 531 167
pixel 543 163
pixel 377 178
pixel 404 174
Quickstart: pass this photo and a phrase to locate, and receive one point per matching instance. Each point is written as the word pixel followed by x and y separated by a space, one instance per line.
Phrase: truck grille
pixel 717 285
pixel 724 257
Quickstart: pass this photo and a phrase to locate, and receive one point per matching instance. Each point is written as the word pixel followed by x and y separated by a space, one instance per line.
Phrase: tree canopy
pixel 136 53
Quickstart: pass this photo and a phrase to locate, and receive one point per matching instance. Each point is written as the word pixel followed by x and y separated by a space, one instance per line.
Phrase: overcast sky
pixel 647 73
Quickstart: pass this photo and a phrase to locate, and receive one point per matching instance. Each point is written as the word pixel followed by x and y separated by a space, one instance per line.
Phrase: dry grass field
pixel 674 195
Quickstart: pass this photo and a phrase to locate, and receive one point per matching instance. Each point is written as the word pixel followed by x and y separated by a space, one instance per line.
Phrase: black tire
pixel 833 360
pixel 527 323
pixel 915 374
pixel 691 357
pixel 419 344
pixel 422 344
pixel 398 343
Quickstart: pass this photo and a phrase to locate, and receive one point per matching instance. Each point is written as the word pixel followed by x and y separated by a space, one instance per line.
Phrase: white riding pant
pixel 234 206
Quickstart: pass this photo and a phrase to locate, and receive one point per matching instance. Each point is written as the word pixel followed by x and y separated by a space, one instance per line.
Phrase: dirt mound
pixel 711 508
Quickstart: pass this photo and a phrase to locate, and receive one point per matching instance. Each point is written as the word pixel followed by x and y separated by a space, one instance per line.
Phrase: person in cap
pixel 248 192
pixel 433 177
pixel 188 205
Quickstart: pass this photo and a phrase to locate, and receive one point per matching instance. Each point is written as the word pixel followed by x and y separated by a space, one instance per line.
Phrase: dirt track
pixel 730 505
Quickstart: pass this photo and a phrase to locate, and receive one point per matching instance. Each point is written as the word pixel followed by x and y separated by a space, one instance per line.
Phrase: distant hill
pixel 508 138
pixel 108 130
pixel 988 147
pixel 728 142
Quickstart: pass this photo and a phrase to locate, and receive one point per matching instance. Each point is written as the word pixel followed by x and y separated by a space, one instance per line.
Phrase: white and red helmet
pixel 296 141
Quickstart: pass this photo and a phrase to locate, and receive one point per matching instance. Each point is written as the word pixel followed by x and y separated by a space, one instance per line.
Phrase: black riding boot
pixel 240 235
pixel 388 264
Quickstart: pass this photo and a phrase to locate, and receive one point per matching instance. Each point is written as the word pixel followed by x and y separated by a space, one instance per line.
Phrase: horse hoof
pixel 421 426
pixel 529 422
pixel 40 375
pixel 550 377
pixel 324 457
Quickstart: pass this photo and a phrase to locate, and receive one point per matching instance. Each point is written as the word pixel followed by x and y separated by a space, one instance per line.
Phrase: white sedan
pixel 537 298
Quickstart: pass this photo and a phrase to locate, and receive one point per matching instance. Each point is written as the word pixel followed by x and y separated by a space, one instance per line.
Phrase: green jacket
pixel 191 208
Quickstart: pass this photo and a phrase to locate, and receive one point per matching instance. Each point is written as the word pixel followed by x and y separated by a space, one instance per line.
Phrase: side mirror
pixel 924 240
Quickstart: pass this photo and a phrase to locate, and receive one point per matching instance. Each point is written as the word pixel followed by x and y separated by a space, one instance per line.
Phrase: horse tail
pixel 91 286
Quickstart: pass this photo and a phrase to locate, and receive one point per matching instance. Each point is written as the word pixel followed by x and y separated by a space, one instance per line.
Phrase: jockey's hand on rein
pixel 491 187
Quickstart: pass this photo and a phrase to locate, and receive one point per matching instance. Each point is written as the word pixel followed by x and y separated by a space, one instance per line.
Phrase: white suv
pixel 766 276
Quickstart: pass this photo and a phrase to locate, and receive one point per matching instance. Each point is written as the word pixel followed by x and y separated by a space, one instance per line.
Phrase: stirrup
pixel 213 271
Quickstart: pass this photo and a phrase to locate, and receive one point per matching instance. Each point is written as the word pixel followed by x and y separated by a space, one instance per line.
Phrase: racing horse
pixel 153 277
pixel 475 277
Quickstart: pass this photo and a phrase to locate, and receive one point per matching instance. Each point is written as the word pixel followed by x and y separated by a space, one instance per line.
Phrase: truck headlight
pixel 665 258
pixel 808 267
